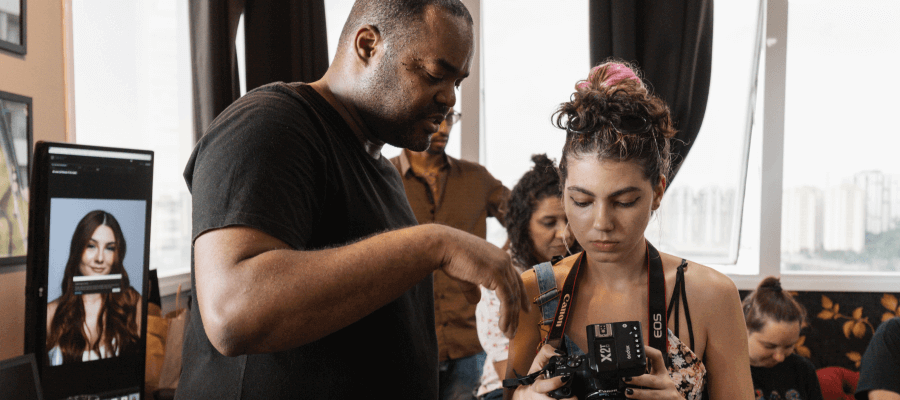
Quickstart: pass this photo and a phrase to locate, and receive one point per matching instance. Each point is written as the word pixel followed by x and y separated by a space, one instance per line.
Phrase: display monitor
pixel 87 269
pixel 19 379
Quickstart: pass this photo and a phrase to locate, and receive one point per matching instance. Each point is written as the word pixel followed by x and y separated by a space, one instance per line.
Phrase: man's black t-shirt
pixel 792 379
pixel 282 160
pixel 880 368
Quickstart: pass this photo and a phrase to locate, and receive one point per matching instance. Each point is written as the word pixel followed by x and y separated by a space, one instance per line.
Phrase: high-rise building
pixel 801 220
pixel 695 221
pixel 844 222
pixel 878 200
pixel 894 193
pixel 673 227
pixel 715 219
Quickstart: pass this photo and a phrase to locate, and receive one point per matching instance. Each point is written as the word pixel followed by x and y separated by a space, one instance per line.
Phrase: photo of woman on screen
pixel 94 325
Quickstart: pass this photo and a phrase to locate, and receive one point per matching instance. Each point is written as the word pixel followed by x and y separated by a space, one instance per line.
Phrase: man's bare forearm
pixel 256 295
pixel 883 395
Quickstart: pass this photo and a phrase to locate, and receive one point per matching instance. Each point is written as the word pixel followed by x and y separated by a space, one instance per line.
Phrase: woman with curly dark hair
pixel 86 327
pixel 614 169
pixel 536 220
pixel 537 229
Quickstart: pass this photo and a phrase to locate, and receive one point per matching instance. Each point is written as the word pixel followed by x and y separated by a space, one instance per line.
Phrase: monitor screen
pixel 88 267
pixel 19 379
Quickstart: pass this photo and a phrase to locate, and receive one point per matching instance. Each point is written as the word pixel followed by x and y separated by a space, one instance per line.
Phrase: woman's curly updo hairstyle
pixel 599 120
pixel 539 183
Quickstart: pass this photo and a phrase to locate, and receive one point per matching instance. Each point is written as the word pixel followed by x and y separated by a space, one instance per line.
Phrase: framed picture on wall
pixel 12 26
pixel 15 156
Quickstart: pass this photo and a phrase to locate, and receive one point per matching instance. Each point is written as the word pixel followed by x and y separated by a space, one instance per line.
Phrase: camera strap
pixel 656 283
pixel 565 304
pixel 656 300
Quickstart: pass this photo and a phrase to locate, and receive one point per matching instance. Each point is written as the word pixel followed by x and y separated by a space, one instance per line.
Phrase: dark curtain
pixel 284 40
pixel 671 42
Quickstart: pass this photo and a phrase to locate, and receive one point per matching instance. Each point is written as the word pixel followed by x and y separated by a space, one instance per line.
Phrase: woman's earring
pixel 568 250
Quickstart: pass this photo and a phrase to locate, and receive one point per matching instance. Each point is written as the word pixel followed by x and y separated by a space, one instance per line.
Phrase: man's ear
pixel 366 43
pixel 659 191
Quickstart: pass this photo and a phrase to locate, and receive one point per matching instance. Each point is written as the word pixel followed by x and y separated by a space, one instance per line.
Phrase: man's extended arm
pixel 883 395
pixel 256 295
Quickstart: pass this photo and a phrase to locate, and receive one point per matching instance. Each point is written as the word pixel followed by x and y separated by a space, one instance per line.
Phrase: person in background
pixel 614 169
pixel 537 228
pixel 879 373
pixel 774 320
pixel 461 194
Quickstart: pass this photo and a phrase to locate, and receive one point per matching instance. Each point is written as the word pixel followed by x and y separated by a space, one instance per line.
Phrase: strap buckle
pixel 548 295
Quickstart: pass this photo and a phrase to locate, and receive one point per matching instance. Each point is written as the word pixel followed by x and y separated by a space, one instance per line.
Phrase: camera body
pixel 615 351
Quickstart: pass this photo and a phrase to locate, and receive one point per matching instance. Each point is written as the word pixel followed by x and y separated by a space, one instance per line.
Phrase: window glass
pixel 841 198
pixel 132 72
pixel 701 212
pixel 532 58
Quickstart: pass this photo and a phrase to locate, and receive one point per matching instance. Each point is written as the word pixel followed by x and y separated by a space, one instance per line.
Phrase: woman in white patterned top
pixel 536 225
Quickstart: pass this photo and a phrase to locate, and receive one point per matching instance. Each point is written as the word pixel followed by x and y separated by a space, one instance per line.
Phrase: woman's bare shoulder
pixel 529 278
pixel 705 283
pixel 560 271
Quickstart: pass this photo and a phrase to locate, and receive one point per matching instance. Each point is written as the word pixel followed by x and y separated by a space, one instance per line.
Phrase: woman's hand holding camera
pixel 541 385
pixel 657 384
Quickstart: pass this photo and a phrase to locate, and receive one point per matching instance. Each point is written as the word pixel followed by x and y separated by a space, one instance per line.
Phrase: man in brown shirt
pixel 461 194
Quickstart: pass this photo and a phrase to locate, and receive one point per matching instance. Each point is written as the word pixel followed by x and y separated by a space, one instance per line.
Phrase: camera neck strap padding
pixel 656 293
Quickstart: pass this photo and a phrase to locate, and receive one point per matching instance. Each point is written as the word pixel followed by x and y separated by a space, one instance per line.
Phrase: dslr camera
pixel 615 351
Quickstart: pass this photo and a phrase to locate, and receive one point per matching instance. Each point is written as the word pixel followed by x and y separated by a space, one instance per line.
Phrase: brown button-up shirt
pixel 469 195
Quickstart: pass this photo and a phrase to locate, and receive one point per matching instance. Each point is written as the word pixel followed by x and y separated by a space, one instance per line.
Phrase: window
pixel 132 88
pixel 700 217
pixel 524 85
pixel 841 197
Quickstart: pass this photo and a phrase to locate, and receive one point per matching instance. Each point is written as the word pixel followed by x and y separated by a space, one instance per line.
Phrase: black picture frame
pixel 16 139
pixel 14 26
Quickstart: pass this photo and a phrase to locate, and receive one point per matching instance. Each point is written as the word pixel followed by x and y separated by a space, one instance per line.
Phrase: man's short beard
pixel 410 141
pixel 379 111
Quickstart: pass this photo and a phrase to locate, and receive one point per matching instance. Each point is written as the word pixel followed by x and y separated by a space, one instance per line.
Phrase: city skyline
pixel 839 217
